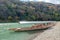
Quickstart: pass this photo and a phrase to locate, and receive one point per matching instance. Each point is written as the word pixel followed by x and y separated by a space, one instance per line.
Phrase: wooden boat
pixel 35 27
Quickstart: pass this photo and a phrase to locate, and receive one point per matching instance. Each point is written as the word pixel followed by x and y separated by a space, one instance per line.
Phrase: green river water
pixel 6 34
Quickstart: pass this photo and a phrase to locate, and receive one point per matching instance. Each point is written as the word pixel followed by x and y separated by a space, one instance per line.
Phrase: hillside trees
pixel 12 11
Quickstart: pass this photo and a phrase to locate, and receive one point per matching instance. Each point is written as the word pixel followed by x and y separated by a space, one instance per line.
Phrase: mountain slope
pixel 15 10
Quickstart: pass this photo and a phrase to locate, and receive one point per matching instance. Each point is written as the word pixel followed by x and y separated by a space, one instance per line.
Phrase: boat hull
pixel 38 27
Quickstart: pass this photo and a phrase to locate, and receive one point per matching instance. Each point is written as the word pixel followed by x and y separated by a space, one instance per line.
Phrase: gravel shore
pixel 50 34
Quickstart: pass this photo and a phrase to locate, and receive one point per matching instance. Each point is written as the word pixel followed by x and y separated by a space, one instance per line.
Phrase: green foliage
pixel 14 10
pixel 10 18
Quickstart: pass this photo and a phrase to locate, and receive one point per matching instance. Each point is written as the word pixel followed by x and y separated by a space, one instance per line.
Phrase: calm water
pixel 10 35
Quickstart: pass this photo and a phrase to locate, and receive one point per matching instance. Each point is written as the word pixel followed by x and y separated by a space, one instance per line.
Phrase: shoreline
pixel 50 34
pixel 33 36
pixel 39 33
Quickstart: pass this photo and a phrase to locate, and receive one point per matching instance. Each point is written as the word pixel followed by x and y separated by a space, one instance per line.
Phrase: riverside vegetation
pixel 16 10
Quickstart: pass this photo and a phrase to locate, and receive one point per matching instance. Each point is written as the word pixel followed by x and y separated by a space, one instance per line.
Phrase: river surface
pixel 6 34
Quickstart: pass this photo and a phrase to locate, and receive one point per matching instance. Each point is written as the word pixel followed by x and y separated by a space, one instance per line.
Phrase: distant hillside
pixel 15 10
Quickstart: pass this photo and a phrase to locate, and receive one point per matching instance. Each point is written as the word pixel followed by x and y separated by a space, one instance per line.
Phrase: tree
pixel 10 18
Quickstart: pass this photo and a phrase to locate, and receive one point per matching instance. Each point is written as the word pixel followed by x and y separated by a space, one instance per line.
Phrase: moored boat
pixel 35 27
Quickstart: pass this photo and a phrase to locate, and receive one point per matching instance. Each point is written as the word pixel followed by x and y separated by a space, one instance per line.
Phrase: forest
pixel 16 10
